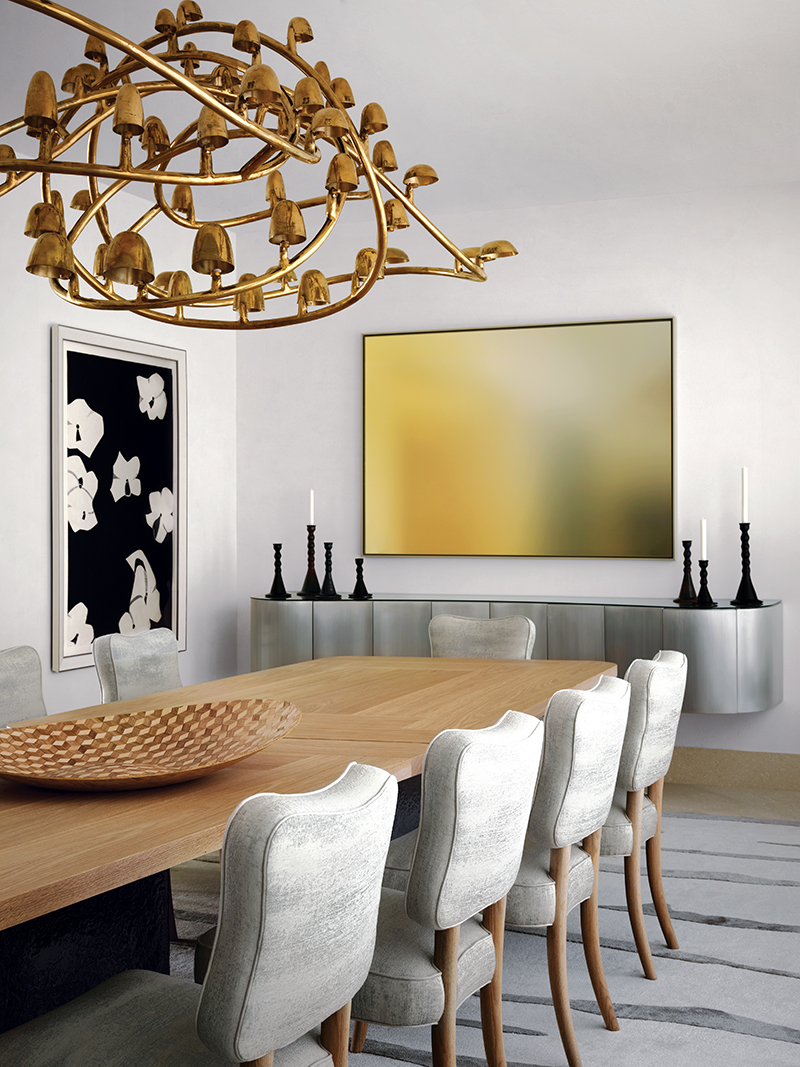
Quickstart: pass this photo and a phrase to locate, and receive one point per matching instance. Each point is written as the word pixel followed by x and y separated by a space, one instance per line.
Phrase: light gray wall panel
pixel 280 632
pixel 760 657
pixel 708 639
pixel 537 613
pixel 468 609
pixel 575 631
pixel 631 633
pixel 400 627
pixel 342 628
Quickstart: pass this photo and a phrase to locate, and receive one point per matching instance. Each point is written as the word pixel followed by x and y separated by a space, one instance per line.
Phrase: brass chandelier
pixel 237 99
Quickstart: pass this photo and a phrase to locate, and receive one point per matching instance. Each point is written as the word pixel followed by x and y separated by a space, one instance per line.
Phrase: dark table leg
pixel 53 959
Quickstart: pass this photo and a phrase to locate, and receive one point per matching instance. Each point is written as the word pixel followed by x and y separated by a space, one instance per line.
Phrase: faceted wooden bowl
pixel 144 748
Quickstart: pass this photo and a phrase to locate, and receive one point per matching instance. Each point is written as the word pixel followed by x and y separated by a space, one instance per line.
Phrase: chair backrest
pixel 133 665
pixel 510 637
pixel 657 689
pixel 301 878
pixel 583 734
pixel 20 685
pixel 477 787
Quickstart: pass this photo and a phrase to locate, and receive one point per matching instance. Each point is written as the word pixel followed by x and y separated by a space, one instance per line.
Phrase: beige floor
pixel 749 803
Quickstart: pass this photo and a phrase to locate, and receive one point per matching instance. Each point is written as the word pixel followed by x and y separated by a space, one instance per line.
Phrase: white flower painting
pixel 81 488
pixel 145 602
pixel 84 427
pixel 79 633
pixel 161 516
pixel 152 398
pixel 126 477
pixel 119 447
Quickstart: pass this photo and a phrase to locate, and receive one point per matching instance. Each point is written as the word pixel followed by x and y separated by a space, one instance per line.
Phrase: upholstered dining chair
pixel 20 685
pixel 300 892
pixel 657 691
pixel 133 665
pixel 432 952
pixel 583 737
pixel 509 637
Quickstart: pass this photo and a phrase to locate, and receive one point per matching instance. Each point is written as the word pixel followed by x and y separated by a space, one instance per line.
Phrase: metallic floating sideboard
pixel 735 654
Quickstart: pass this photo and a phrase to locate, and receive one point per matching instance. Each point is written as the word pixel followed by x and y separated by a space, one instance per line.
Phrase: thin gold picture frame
pixel 553 440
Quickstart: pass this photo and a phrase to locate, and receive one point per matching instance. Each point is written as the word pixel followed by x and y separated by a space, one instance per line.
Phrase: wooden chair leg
pixel 262 1061
pixel 557 955
pixel 494 919
pixel 359 1036
pixel 633 884
pixel 334 1034
pixel 653 852
pixel 443 1034
pixel 590 932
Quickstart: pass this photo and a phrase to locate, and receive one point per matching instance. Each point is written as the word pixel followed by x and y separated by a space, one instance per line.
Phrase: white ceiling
pixel 525 102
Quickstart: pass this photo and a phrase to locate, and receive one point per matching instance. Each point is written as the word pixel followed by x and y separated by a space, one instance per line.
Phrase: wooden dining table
pixel 59 848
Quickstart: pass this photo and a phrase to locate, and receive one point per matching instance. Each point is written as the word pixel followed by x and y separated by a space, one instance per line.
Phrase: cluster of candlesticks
pixel 746 594
pixel 311 589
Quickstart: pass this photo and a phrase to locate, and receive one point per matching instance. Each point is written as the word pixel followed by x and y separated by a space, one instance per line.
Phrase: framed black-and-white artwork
pixel 119 491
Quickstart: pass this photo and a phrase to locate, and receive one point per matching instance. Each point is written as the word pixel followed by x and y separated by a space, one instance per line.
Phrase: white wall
pixel 726 265
pixel 28 310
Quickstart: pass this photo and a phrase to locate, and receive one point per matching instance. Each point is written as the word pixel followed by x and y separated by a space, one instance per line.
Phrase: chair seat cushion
pixel 398 861
pixel 532 899
pixel 617 836
pixel 135 1019
pixel 404 988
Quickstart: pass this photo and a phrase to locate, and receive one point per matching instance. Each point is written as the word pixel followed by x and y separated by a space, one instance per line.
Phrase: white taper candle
pixel 311 507
pixel 745 493
pixel 703 539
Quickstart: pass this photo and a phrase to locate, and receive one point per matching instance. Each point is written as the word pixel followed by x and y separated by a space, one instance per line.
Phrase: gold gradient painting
pixel 520 441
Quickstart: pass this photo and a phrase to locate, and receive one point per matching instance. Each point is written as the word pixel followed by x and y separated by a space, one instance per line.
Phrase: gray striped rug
pixel 729 997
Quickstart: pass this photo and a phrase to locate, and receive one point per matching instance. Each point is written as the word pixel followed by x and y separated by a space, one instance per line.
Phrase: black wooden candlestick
pixel 278 590
pixel 687 594
pixel 746 594
pixel 360 592
pixel 310 588
pixel 328 588
pixel 704 597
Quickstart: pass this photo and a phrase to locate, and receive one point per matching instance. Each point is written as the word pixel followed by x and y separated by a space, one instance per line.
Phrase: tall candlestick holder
pixel 704 597
pixel 278 590
pixel 687 594
pixel 310 588
pixel 746 594
pixel 328 588
pixel 360 592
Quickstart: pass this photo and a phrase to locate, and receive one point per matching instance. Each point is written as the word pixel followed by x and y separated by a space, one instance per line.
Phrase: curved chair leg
pixel 557 955
pixel 335 1031
pixel 653 851
pixel 359 1036
pixel 262 1061
pixel 590 933
pixel 443 1034
pixel 494 919
pixel 633 884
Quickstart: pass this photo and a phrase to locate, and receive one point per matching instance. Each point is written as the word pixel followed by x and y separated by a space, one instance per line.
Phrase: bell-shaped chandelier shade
pixel 212 252
pixel 51 257
pixel 129 260
pixel 285 123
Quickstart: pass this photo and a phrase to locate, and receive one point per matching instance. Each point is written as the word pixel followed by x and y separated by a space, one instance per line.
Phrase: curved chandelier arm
pixel 219 297
pixel 116 40
pixel 434 231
